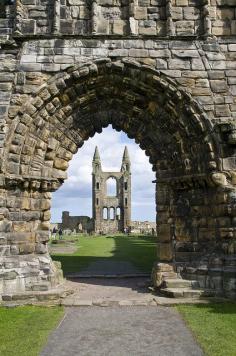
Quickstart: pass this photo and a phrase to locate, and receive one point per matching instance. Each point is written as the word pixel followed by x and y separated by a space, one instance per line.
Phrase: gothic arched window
pixel 112 213
pixel 105 213
pixel 111 184
pixel 118 213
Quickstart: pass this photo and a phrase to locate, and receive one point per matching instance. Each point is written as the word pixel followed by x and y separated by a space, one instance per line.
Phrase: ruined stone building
pixel 143 227
pixel 164 72
pixel 111 210
pixel 81 224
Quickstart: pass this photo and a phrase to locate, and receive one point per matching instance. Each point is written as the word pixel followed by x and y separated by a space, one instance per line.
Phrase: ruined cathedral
pixel 111 210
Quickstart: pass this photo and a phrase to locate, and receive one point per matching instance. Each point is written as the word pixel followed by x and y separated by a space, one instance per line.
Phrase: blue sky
pixel 75 195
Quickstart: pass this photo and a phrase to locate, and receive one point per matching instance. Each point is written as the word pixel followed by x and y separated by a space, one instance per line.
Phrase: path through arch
pixel 164 120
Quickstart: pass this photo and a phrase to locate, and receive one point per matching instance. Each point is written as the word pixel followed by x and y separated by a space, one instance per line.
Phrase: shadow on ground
pixel 127 256
pixel 139 252
pixel 90 288
pixel 219 308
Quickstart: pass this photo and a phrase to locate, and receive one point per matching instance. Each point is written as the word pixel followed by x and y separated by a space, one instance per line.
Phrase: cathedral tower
pixel 111 196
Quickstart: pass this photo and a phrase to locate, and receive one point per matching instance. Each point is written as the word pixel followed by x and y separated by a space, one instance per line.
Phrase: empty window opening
pixel 97 185
pixel 126 185
pixel 118 213
pixel 112 213
pixel 97 201
pixel 126 201
pixel 105 213
pixel 111 187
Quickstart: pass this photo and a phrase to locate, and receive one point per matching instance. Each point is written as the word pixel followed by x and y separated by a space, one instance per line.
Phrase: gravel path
pixel 108 289
pixel 122 331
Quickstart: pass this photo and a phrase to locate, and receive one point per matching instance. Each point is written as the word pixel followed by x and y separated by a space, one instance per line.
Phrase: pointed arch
pixel 167 123
pixel 111 186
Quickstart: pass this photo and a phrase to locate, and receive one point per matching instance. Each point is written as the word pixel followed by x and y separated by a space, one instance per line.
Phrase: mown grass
pixel 24 330
pixel 139 250
pixel 214 326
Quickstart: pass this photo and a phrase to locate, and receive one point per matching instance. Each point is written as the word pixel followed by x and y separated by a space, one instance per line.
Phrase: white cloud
pixel 75 194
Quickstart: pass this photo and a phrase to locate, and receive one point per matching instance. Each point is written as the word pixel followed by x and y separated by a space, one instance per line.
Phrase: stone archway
pixel 71 107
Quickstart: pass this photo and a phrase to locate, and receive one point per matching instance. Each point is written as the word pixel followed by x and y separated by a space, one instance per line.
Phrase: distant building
pixel 83 224
pixel 111 209
pixel 143 227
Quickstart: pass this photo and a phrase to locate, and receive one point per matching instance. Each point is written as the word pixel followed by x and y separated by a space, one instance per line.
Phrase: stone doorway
pixel 71 107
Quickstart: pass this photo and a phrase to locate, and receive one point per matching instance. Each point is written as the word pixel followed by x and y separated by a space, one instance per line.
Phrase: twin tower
pixel 111 196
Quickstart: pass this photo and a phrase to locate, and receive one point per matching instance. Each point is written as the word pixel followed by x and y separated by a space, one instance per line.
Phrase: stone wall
pixel 206 70
pixel 164 73
pixel 122 17
pixel 77 223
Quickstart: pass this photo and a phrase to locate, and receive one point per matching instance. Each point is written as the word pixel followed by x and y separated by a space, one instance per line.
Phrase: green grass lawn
pixel 24 330
pixel 139 250
pixel 214 326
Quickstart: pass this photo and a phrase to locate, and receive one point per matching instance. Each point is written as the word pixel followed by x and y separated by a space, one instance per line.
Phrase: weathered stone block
pixel 2 240
pixel 161 64
pixel 28 26
pixel 10 275
pixel 197 64
pixel 177 13
pixel 182 2
pixel 119 27
pixel 140 13
pixel 161 53
pixel 20 226
pixel 191 13
pixel 63 59
pixel 164 232
pixel 185 28
pixel 66 27
pixel 165 252
pixel 76 2
pixel 138 52
pixel 184 53
pixel 222 110
pixel 103 26
pixel 5 226
pixel 218 86
pixel 178 64
pixel 119 53
pixel 147 31
pixel 84 13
